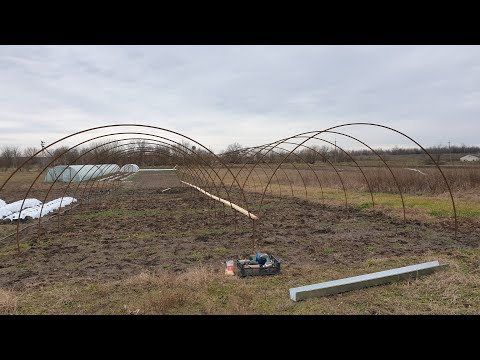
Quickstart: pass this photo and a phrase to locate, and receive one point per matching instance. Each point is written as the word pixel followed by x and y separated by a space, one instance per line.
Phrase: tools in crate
pixel 259 264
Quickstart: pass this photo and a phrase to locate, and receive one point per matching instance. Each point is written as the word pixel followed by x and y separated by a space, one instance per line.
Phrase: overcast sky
pixel 248 94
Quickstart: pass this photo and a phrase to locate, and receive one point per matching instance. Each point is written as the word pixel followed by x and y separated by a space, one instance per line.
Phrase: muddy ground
pixel 140 228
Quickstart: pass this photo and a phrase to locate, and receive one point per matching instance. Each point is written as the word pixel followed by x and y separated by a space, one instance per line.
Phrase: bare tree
pixel 16 154
pixel 315 153
pixel 5 157
pixel 28 153
pixel 96 153
pixel 60 152
pixel 182 153
pixel 10 156
pixel 233 153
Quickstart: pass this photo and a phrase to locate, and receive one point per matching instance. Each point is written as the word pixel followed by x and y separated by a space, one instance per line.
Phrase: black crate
pixel 246 270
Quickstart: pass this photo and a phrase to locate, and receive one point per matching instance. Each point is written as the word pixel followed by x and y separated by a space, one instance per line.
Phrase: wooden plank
pixel 362 281
pixel 228 203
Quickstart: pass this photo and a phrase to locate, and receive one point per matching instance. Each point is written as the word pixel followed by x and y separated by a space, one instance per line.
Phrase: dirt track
pixel 141 228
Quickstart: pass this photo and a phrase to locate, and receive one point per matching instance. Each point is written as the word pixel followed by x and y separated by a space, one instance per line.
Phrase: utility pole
pixel 335 160
pixel 44 152
pixel 450 152
pixel 42 143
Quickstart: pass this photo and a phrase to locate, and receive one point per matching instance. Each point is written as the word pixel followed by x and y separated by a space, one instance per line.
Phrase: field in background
pixel 426 197
pixel 425 194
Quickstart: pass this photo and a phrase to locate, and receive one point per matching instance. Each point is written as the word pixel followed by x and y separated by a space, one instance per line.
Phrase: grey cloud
pixel 242 93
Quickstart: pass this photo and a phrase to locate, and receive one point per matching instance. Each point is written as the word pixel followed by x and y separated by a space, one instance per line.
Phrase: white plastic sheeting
pixel 30 212
pixel 105 169
pixel 4 213
pixel 34 211
pixel 8 209
pixel 17 205
pixel 77 173
pixel 130 168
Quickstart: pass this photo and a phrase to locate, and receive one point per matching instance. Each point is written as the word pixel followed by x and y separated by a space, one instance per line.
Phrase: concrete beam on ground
pixel 363 281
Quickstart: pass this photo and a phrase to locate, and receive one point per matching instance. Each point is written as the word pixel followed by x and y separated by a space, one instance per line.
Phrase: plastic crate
pixel 249 270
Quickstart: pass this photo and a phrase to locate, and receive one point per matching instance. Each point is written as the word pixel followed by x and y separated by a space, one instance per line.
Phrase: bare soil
pixel 141 228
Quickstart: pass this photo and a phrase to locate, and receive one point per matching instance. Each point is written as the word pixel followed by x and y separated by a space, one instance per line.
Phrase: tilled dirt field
pixel 140 228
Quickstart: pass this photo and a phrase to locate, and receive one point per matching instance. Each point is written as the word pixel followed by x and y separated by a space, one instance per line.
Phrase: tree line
pixel 140 152
pixel 236 154
pixel 148 153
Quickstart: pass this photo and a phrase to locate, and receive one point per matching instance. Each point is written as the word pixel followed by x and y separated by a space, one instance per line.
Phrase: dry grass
pixel 8 302
pixel 203 290
pixel 426 197
pixel 379 178
pixel 21 177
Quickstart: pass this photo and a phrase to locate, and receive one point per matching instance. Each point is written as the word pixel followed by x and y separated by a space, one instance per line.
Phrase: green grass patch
pixel 328 250
pixel 433 206
pixel 364 206
pixel 429 205
pixel 13 249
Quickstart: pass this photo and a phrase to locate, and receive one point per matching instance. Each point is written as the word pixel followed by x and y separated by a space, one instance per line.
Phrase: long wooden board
pixel 228 203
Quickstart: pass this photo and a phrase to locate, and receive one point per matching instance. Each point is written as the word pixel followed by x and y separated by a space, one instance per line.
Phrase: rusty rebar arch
pixel 261 183
pixel 154 142
pixel 128 125
pixel 241 168
pixel 249 150
pixel 278 180
pixel 425 151
pixel 153 135
pixel 56 158
pixel 201 169
pixel 285 173
pixel 137 150
pixel 157 150
pixel 262 148
pixel 92 149
pixel 298 171
pixel 280 164
pixel 94 179
pixel 245 164
pixel 316 133
pixel 359 167
pixel 384 162
pixel 129 151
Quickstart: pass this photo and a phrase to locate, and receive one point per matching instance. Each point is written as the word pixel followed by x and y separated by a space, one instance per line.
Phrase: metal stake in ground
pixel 253 235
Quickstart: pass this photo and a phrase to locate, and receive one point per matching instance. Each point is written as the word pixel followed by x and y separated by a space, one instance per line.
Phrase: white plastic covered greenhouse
pixel 130 168
pixel 77 173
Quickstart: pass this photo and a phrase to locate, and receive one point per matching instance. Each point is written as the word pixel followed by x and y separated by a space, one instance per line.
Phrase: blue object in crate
pixel 260 260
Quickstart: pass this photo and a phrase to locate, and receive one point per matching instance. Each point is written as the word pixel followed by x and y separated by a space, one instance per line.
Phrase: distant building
pixel 470 158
